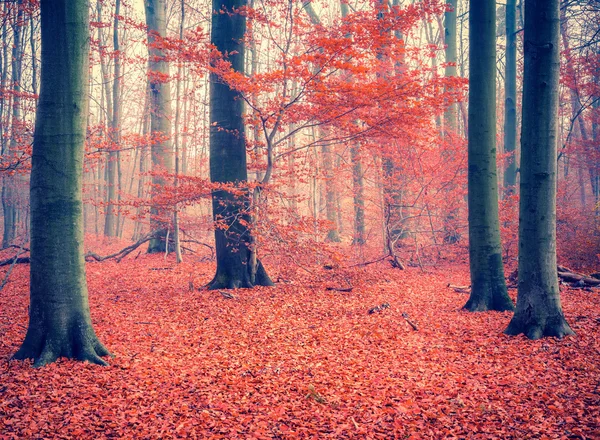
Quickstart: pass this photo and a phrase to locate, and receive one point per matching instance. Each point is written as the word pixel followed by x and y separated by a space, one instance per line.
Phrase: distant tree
pixel 539 312
pixel 228 158
pixel 160 112
pixel 59 315
pixel 510 99
pixel 488 287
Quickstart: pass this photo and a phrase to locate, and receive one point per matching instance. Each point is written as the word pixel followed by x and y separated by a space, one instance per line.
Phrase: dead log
pixel 577 278
pixel 569 276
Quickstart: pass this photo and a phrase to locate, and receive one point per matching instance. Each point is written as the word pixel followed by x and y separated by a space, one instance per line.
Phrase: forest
pixel 300 219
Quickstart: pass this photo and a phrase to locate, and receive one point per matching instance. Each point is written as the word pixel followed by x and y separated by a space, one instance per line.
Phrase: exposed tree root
pixel 552 327
pixel 45 347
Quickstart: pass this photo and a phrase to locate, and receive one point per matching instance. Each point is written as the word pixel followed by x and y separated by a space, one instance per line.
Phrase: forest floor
pixel 300 361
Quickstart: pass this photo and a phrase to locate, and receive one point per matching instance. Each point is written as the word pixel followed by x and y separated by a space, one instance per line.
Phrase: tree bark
pixel 330 196
pixel 160 113
pixel 59 317
pixel 9 191
pixel 510 98
pixel 450 115
pixel 488 290
pixel 228 157
pixel 539 312
pixel 111 224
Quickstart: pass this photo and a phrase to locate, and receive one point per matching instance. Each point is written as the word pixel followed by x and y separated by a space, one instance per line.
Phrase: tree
pixel 228 157
pixel 510 99
pixel 539 312
pixel 59 315
pixel 9 193
pixel 111 224
pixel 450 115
pixel 160 112
pixel 488 287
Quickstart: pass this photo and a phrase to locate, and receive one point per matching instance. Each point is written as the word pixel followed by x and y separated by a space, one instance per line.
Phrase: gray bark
pixel 510 98
pixel 228 157
pixel 488 291
pixel 160 113
pixel 539 312
pixel 110 226
pixel 450 115
pixel 59 316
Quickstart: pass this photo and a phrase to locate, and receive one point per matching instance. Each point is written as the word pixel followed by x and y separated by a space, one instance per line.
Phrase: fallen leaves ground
pixel 300 361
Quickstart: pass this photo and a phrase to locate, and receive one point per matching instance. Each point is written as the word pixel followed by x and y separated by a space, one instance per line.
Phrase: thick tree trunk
pixel 510 99
pixel 228 157
pixel 59 317
pixel 160 113
pixel 539 312
pixel 488 290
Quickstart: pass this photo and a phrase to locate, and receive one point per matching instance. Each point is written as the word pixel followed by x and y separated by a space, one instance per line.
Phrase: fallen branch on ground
pixel 10 269
pixel 118 256
pixel 460 289
pixel 340 289
pixel 11 261
pixel 413 325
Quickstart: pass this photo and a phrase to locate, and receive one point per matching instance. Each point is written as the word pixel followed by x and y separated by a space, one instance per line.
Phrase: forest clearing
pixel 300 219
pixel 297 360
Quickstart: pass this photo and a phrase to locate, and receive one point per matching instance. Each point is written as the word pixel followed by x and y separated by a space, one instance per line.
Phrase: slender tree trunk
pixel 357 172
pixel 59 316
pixel 110 226
pixel 9 190
pixel 332 232
pixel 450 115
pixel 178 256
pixel 359 196
pixel 510 99
pixel 228 156
pixel 539 312
pixel 488 287
pixel 160 114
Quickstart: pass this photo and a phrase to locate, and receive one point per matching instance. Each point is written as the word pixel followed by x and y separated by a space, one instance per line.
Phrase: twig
pixel 460 289
pixel 226 295
pixel 340 289
pixel 413 325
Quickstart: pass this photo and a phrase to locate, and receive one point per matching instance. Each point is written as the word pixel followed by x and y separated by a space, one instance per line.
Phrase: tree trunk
pixel 160 114
pixel 111 224
pixel 488 290
pixel 450 115
pixel 59 316
pixel 228 157
pixel 539 312
pixel 358 187
pixel 510 99
pixel 9 190
pixel 178 256
pixel 332 232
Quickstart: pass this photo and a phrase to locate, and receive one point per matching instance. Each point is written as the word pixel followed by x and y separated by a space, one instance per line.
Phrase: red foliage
pixel 297 361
